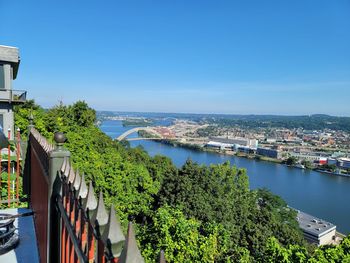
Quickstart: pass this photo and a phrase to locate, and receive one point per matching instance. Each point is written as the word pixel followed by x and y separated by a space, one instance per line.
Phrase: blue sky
pixel 262 57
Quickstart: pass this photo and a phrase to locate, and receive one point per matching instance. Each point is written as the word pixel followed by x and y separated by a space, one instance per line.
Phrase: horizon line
pixel 228 114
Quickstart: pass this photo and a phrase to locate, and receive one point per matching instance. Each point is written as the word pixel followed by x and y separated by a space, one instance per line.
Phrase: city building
pixel 344 163
pixel 309 156
pixel 331 161
pixel 317 231
pixel 272 153
pixel 219 145
pixel 251 143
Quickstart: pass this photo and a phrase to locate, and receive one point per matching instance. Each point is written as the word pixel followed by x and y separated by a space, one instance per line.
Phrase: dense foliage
pixel 194 213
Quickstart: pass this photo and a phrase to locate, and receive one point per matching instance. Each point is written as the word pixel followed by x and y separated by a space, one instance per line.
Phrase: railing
pixel 72 225
pixel 9 181
pixel 38 155
pixel 11 95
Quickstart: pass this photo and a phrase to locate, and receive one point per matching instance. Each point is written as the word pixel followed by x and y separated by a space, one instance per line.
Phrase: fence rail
pixel 9 181
pixel 72 225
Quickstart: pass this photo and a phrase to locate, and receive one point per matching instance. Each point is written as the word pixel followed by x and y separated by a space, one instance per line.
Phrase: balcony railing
pixel 13 96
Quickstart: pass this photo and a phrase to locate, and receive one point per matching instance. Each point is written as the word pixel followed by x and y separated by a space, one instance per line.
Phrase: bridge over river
pixel 151 130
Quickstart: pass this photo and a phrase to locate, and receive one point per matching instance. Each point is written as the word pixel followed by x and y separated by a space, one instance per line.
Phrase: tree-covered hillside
pixel 307 122
pixel 195 213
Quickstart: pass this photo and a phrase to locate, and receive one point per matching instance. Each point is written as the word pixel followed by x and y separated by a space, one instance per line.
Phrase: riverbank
pixel 257 157
pixel 197 147
pixel 332 173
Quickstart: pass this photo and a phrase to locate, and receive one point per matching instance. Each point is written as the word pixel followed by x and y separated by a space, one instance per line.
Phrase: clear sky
pixel 276 57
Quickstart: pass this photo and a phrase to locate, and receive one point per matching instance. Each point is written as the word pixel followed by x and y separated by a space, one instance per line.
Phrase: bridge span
pixel 146 129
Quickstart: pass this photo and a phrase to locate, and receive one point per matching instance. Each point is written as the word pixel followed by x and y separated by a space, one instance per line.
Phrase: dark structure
pixel 8 236
pixel 272 153
pixel 9 63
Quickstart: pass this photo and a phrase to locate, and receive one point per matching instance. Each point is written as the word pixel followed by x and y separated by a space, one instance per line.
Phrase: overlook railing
pixel 72 225
pixel 38 151
pixel 11 164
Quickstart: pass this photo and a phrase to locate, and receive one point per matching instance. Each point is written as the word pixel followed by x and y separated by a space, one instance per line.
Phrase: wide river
pixel 322 195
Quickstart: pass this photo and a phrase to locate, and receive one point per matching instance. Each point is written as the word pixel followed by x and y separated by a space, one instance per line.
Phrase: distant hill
pixel 311 122
pixel 307 122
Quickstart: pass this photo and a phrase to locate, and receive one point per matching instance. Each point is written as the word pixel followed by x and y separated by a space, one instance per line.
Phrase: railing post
pixel 27 161
pixel 18 144
pixel 31 122
pixel 8 168
pixel 56 158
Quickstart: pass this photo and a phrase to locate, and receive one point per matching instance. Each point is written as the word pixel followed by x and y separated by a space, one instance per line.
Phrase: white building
pixel 317 231
pixel 237 141
pixel 344 163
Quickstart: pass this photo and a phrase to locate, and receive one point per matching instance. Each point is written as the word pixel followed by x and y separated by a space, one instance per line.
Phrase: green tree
pixel 291 160
pixel 182 239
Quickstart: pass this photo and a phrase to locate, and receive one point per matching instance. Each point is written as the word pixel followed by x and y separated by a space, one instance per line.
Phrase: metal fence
pixel 10 169
pixel 39 188
pixel 72 225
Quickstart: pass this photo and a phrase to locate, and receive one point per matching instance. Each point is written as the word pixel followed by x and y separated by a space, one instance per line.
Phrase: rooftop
pixel 313 225
pixel 11 55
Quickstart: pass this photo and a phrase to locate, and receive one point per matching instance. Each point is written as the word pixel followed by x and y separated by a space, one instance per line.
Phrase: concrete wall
pixel 6 78
pixel 7 117
pixel 327 238
pixel 8 59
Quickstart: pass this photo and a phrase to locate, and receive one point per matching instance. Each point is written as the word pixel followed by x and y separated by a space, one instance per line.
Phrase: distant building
pixel 344 163
pixel 252 143
pixel 331 161
pixel 317 231
pixel 246 149
pixel 271 140
pixel 219 145
pixel 322 161
pixel 310 156
pixel 272 153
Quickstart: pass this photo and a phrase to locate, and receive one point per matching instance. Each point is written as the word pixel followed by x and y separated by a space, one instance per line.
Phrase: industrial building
pixel 219 145
pixel 317 231
pixel 310 156
pixel 344 163
pixel 272 153
pixel 236 142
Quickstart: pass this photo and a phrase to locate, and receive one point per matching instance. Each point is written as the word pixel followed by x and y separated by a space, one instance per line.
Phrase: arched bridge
pixel 146 129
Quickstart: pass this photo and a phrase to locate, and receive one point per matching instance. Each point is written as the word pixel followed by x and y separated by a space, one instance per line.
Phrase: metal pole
pixel 18 156
pixel 8 169
pixel 0 173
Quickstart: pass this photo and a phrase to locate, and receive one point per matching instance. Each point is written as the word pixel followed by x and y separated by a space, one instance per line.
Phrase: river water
pixel 322 195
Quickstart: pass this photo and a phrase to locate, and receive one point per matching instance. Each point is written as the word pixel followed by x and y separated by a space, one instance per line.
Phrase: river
pixel 322 195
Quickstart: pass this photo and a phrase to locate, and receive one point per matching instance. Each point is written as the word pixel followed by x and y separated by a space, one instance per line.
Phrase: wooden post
pixel 9 169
